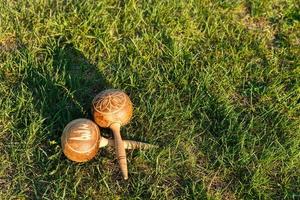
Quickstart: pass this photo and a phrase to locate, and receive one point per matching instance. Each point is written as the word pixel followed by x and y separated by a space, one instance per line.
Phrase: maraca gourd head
pixel 80 140
pixel 111 106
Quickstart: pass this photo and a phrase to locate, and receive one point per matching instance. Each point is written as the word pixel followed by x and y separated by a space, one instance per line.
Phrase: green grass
pixel 215 83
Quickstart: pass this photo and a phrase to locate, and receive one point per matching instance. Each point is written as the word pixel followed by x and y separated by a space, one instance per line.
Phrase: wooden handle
pixel 128 144
pixel 104 142
pixel 131 144
pixel 120 150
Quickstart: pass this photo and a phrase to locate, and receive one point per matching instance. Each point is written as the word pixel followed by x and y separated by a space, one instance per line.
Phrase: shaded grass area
pixel 214 83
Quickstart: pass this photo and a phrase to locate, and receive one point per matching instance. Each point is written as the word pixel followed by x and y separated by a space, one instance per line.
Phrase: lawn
pixel 216 84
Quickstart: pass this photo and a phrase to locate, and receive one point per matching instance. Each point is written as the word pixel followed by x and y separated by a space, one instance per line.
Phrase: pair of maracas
pixel 81 138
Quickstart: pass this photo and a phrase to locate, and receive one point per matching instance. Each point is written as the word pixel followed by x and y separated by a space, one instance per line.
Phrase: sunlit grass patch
pixel 214 83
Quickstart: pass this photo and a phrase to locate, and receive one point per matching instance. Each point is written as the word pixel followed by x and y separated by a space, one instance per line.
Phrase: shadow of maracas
pixel 81 141
pixel 112 109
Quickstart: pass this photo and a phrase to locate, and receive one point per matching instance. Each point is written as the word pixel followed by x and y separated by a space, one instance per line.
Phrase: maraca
pixel 111 109
pixel 81 140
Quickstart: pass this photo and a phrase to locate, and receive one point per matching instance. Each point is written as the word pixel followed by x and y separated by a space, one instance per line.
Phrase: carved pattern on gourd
pixel 80 140
pixel 109 101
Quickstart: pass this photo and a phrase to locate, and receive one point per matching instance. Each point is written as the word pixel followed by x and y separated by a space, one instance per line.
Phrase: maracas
pixel 112 109
pixel 81 140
